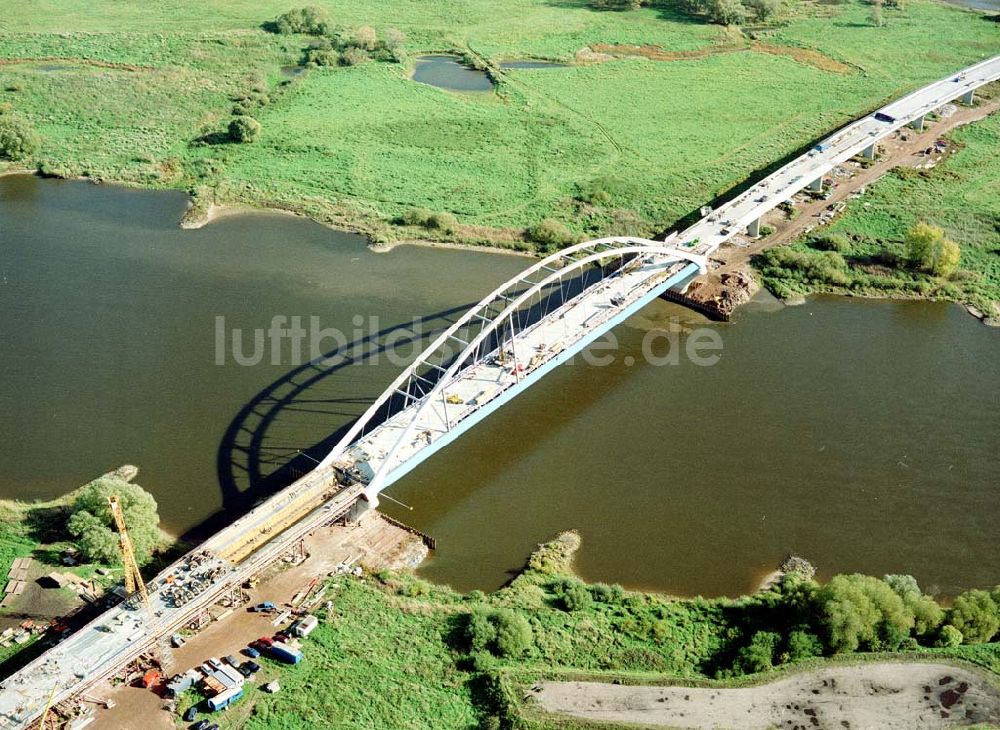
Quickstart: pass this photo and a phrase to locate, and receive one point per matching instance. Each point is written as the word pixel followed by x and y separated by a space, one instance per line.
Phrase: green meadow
pixel 143 95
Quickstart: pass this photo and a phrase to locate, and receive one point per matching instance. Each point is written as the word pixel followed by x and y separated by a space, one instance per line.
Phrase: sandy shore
pixel 885 695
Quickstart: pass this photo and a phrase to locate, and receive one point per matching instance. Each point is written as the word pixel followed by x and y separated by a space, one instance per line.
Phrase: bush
pixel 416 217
pixel 501 631
pixel 574 596
pixel 354 56
pixel 364 37
pixel 311 20
pixel 603 593
pixel 949 637
pixel 616 4
pixel 18 139
pixel 758 656
pixel 514 636
pixel 444 222
pixel 93 525
pixel 803 645
pixel 831 242
pixel 976 615
pixel 550 234
pixel 244 129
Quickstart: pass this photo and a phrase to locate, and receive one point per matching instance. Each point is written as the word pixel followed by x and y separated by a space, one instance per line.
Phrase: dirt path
pixel 729 282
pixel 887 695
pixel 372 542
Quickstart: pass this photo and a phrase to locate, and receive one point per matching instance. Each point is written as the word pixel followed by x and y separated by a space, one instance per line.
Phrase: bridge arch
pixel 488 318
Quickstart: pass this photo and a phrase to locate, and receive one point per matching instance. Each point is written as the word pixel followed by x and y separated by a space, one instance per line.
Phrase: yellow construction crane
pixel 133 578
pixel 44 723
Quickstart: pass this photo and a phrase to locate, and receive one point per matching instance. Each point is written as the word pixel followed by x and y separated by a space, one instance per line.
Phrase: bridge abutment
pixel 968 97
pixel 869 152
pixel 753 230
pixel 918 123
pixel 816 185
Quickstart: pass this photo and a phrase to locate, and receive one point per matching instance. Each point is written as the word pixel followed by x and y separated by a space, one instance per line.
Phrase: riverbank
pixel 950 182
pixel 440 658
pixel 550 144
pixel 737 269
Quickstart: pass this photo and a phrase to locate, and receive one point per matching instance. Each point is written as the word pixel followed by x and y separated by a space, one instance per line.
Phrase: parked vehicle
pixel 307 624
pixel 200 725
pixel 225 699
pixel 231 660
pixel 883 117
pixel 191 713
pixel 265 607
pixel 251 652
pixel 283 652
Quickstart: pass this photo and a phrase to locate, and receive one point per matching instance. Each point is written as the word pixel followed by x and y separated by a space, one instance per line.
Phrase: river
pixel 859 434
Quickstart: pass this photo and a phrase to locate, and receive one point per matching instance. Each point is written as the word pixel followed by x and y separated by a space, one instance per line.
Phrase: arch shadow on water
pixel 252 463
pixel 249 468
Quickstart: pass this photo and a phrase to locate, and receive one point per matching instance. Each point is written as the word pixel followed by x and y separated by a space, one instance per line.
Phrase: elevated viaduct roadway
pixel 503 345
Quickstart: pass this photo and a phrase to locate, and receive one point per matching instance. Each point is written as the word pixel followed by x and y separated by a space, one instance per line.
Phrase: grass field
pixel 962 195
pixel 394 650
pixel 124 93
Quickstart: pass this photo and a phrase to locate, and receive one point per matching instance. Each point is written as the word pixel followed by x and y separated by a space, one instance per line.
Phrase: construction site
pixel 148 676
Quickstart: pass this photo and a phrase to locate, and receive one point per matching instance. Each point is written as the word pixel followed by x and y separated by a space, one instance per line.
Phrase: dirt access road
pixel 888 696
pixel 729 281
pixel 372 542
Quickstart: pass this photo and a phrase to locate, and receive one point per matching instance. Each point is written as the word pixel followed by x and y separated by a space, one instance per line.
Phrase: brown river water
pixel 859 434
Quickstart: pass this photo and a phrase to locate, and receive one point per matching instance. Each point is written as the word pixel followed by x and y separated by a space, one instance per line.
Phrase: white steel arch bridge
pixel 508 341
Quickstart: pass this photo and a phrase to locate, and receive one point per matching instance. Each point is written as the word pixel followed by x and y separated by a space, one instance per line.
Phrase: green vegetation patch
pixel 870 256
pixel 657 113
pixel 397 651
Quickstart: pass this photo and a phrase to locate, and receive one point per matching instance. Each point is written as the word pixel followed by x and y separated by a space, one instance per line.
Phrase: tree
pixel 501 631
pixel 92 524
pixel 949 637
pixel 726 12
pixel 927 614
pixel 758 656
pixel 312 20
pixel 18 139
pixel 514 636
pixel 929 250
pixel 976 615
pixel 762 9
pixel 876 14
pixel 244 129
pixel 860 609
pixel 803 644
pixel 364 37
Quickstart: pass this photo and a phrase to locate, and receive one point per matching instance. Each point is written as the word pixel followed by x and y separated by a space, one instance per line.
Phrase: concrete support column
pixel 918 123
pixel 968 97
pixel 753 230
pixel 869 152
pixel 816 185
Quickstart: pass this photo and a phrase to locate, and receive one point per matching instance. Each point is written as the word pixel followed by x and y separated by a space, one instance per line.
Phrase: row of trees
pixel 724 12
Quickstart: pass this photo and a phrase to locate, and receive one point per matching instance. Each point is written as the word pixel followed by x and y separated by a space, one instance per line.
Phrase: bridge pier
pixel 918 123
pixel 816 185
pixel 753 230
pixel 968 97
pixel 869 152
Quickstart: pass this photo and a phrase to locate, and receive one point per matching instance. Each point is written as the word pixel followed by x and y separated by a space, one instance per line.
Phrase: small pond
pixel 447 72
